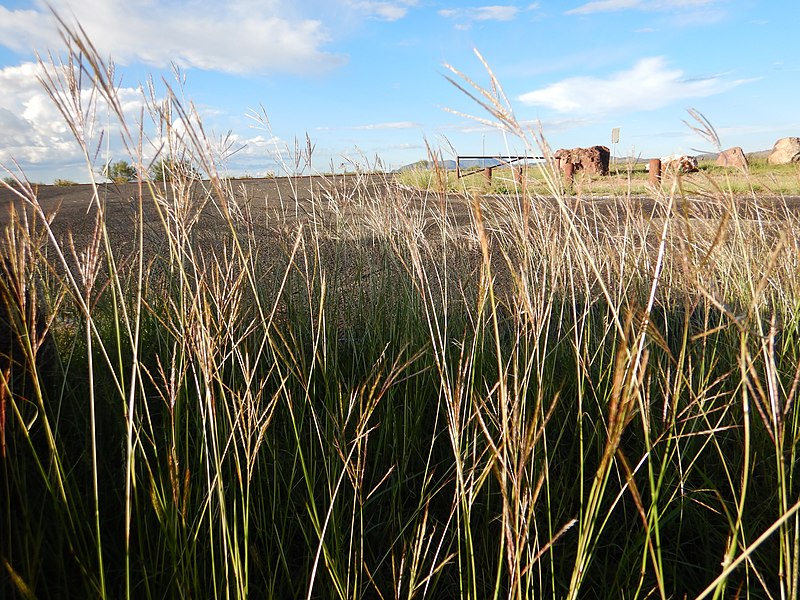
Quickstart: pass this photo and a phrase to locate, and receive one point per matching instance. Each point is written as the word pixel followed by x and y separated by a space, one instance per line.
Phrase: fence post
pixel 487 175
pixel 655 172
pixel 569 174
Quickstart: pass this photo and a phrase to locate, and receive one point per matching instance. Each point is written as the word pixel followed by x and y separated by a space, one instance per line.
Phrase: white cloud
pixel 240 36
pixel 481 13
pixel 384 11
pixel 649 85
pixel 391 125
pixel 465 17
pixel 598 6
pixel 495 13
pixel 485 13
pixel 374 126
pixel 605 6
pixel 35 133
pixel 36 136
pixel 257 153
pixel 23 30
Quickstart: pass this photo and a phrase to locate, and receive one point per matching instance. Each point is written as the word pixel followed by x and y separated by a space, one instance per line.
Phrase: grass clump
pixel 397 393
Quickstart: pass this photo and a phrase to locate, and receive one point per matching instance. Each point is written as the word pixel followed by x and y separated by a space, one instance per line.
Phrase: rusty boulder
pixel 733 157
pixel 678 163
pixel 785 151
pixel 593 160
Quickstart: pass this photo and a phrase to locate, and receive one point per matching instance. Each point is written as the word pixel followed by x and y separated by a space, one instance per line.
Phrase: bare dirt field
pixel 267 202
pixel 72 206
pixel 283 202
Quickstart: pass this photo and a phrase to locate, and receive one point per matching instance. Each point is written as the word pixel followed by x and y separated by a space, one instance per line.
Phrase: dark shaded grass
pixel 411 468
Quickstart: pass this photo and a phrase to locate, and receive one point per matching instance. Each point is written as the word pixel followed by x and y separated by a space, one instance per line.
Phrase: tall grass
pixel 395 393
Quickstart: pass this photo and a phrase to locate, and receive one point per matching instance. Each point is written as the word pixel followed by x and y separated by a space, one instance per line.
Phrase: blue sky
pixel 364 79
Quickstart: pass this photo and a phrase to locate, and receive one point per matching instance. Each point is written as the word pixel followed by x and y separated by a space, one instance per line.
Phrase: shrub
pixel 167 169
pixel 120 172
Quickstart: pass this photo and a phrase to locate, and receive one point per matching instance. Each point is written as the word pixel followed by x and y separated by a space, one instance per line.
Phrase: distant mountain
pixel 450 164
pixel 711 156
pixel 759 154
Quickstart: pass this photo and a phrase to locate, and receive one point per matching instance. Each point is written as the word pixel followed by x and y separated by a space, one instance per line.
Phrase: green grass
pixel 624 179
pixel 403 397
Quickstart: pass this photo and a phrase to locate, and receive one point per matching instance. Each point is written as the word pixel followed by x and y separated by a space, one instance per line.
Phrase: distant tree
pixel 168 169
pixel 21 182
pixel 64 182
pixel 120 172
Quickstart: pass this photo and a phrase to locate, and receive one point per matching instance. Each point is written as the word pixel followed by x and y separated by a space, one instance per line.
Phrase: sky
pixel 365 81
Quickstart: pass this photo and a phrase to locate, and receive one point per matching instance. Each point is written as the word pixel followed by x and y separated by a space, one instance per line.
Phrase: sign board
pixel 615 135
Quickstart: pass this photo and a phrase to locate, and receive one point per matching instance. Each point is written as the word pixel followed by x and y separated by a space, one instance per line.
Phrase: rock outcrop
pixel 678 163
pixel 592 160
pixel 733 157
pixel 786 150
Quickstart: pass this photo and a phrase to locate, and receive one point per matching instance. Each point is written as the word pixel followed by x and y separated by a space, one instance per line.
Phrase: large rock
pixel 786 150
pixel 733 157
pixel 592 160
pixel 678 163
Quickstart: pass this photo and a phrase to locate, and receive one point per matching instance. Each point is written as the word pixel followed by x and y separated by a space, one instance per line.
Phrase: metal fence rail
pixel 499 161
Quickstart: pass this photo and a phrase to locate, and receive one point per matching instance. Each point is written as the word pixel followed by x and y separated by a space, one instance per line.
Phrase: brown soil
pixel 268 203
pixel 73 209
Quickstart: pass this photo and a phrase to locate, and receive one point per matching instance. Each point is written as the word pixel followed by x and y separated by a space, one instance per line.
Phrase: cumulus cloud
pixel 649 85
pixel 37 138
pixel 24 30
pixel 35 132
pixel 239 36
pixel 598 6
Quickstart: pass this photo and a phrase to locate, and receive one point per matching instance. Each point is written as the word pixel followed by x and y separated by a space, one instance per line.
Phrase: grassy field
pixel 626 178
pixel 541 394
